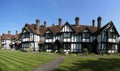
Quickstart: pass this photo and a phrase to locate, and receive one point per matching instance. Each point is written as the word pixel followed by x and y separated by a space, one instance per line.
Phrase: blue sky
pixel 15 13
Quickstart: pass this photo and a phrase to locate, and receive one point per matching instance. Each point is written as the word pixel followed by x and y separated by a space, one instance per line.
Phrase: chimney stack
pixel 3 34
pixel 60 21
pixel 16 32
pixel 93 22
pixel 53 24
pixel 99 19
pixel 45 24
pixel 37 25
pixel 77 20
pixel 9 32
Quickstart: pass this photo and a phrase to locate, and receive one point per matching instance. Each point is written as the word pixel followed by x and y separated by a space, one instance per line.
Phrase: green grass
pixel 21 61
pixel 90 63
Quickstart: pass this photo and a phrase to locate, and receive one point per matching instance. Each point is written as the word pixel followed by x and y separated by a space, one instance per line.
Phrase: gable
pixel 86 30
pixel 48 31
pixel 108 27
pixel 24 30
pixel 66 28
pixel 111 29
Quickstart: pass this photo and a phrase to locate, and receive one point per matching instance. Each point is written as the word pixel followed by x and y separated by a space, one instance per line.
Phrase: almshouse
pixel 70 37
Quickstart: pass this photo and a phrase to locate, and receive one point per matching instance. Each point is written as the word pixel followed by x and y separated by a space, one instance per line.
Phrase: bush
pixel 85 51
pixel 29 49
pixel 60 50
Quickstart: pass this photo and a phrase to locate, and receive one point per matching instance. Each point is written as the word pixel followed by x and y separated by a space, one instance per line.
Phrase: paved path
pixel 50 66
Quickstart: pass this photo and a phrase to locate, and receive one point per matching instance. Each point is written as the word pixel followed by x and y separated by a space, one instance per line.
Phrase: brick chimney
pixel 45 24
pixel 93 22
pixel 53 24
pixel 60 21
pixel 77 20
pixel 37 25
pixel 9 32
pixel 3 34
pixel 99 19
pixel 16 32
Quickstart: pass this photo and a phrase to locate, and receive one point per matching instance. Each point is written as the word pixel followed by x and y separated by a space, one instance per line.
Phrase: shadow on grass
pixel 101 64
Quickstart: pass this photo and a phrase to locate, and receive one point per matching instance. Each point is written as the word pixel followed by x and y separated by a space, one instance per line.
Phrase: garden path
pixel 50 66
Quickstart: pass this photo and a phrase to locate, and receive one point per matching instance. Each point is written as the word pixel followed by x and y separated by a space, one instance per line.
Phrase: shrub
pixel 85 51
pixel 29 49
pixel 60 50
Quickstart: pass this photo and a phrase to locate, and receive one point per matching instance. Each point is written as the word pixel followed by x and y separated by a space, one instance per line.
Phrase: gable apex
pixel 86 30
pixel 66 28
pixel 107 27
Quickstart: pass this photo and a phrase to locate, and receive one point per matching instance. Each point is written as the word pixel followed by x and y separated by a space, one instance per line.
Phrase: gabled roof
pixel 107 27
pixel 81 28
pixel 10 36
pixel 67 24
pixel 6 36
pixel 55 29
pixel 76 28
pixel 32 28
pixel 16 36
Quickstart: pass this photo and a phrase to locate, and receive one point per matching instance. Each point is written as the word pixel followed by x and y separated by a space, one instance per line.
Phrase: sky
pixel 15 13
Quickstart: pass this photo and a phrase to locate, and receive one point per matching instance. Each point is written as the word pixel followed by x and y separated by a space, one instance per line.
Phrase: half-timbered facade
pixel 108 38
pixel 31 37
pixel 10 41
pixel 70 37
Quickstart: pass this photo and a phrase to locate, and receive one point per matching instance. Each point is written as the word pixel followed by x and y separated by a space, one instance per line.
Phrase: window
pixel 27 35
pixel 66 35
pixel 66 46
pixel 2 40
pixel 111 35
pixel 111 47
pixel 49 36
pixel 86 35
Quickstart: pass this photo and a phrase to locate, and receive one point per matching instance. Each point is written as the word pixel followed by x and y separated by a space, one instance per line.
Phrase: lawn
pixel 90 63
pixel 21 61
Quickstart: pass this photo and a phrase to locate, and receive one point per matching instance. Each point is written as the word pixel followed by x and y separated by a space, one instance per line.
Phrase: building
pixel 10 41
pixel 70 37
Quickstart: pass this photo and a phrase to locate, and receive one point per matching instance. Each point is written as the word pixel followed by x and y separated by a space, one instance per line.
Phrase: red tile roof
pixel 6 36
pixel 56 28
pixel 10 36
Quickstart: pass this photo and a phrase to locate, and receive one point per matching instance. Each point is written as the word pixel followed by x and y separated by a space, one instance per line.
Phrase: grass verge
pixel 90 63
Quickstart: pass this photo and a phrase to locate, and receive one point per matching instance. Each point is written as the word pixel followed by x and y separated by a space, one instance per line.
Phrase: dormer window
pixel 86 34
pixel 49 36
